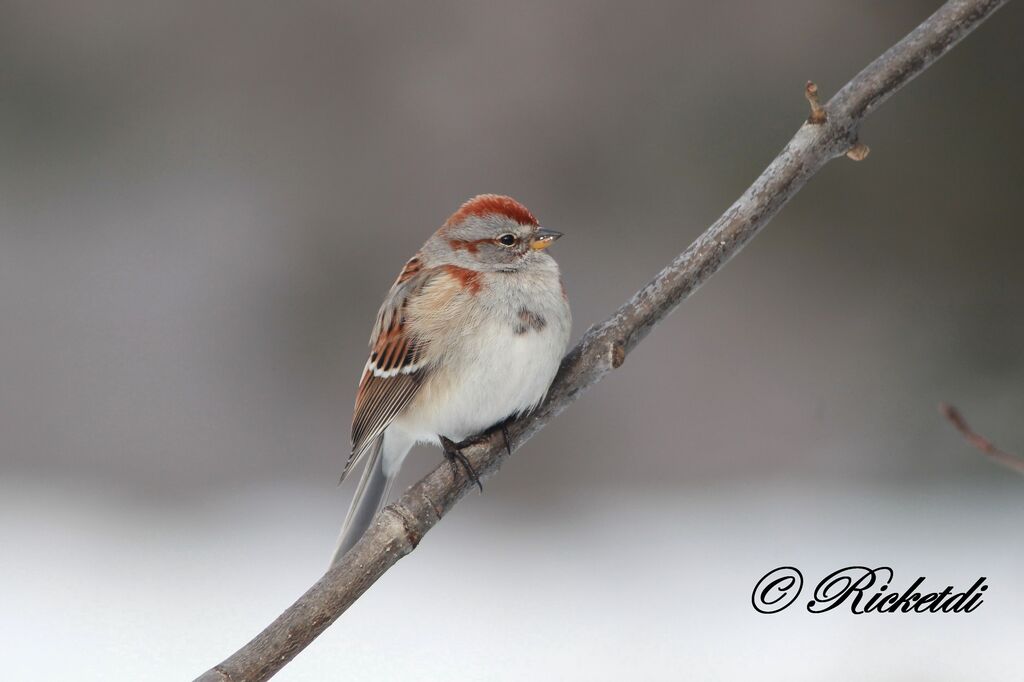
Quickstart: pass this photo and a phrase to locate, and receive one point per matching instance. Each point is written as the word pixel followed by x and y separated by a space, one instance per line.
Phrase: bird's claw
pixel 453 453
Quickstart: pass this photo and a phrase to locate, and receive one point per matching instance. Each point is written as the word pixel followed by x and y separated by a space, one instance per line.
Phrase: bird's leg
pixel 504 433
pixel 453 453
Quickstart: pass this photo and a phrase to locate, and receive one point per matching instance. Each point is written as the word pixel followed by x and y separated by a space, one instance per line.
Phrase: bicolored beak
pixel 543 238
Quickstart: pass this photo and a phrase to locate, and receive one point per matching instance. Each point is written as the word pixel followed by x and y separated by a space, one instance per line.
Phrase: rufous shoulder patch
pixel 468 279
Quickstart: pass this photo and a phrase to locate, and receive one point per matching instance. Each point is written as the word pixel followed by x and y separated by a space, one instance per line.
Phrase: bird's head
pixel 491 233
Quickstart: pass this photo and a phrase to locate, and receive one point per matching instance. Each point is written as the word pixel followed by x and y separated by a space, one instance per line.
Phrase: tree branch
pixel 830 132
pixel 1007 459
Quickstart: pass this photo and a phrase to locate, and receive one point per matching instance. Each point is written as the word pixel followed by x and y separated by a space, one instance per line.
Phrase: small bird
pixel 470 334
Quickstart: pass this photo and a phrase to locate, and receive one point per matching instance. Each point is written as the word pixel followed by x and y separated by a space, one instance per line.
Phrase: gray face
pixel 491 243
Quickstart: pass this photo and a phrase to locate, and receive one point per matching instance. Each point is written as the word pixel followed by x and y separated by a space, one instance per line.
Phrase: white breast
pixel 496 366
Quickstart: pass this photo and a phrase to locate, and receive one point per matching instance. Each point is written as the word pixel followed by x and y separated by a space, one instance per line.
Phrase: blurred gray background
pixel 202 205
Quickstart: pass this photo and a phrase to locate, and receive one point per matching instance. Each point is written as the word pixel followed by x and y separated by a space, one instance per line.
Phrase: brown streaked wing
pixel 394 373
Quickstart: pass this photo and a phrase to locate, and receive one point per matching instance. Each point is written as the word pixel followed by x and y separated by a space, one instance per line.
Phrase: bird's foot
pixel 453 453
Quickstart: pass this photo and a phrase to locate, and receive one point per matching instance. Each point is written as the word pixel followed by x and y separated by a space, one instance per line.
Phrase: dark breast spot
pixel 527 321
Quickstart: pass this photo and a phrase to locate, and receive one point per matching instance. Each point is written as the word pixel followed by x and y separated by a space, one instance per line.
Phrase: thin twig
pixel 1007 459
pixel 400 526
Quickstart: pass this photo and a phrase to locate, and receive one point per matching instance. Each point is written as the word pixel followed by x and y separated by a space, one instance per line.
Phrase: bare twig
pixel 400 526
pixel 1007 459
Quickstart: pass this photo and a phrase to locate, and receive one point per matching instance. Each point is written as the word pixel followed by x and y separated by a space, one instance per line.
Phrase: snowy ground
pixel 605 587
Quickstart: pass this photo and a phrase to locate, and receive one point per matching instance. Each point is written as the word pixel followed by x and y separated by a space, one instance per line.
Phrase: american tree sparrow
pixel 470 334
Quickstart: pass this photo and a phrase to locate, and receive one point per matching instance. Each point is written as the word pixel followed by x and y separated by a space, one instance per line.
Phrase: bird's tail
pixel 383 461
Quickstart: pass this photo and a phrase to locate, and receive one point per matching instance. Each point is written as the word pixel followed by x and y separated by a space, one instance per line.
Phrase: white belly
pixel 504 374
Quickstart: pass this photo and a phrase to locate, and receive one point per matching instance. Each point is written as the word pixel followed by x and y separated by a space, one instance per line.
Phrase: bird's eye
pixel 507 239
